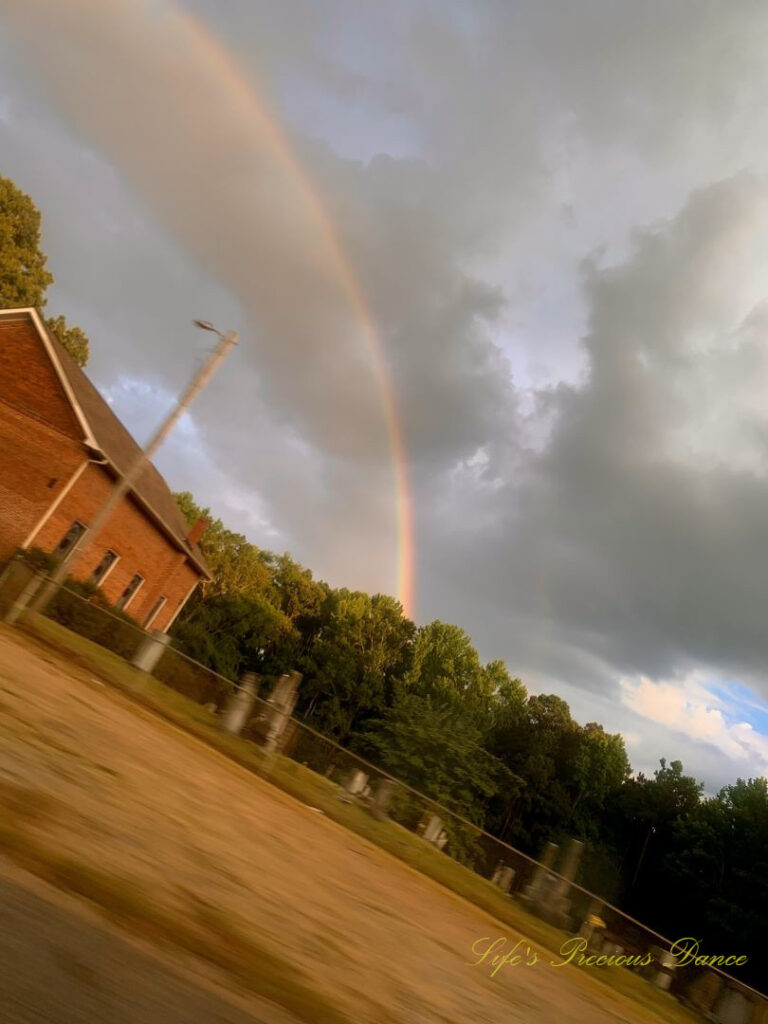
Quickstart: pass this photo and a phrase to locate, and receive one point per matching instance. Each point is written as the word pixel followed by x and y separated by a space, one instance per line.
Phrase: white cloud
pixel 689 707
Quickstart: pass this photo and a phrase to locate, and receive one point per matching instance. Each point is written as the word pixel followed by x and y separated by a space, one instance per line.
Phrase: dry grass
pixel 316 791
pixel 209 934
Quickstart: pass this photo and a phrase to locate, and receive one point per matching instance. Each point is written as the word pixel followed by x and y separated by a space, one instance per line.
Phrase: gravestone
pixel 280 708
pixel 703 991
pixel 240 705
pixel 150 650
pixel 433 829
pixel 593 926
pixel 503 877
pixel 665 972
pixel 536 889
pixel 558 908
pixel 356 785
pixel 732 1007
pixel 382 799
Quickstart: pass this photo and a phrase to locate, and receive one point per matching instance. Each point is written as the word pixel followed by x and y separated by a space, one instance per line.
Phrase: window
pixel 70 538
pixel 154 612
pixel 130 591
pixel 104 567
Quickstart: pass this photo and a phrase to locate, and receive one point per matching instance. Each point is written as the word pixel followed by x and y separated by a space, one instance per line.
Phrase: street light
pixel 226 343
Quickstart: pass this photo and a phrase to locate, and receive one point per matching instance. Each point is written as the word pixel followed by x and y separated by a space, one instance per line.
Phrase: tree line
pixel 419 702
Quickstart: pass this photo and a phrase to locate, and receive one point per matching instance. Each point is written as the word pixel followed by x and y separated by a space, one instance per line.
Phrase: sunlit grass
pixel 318 792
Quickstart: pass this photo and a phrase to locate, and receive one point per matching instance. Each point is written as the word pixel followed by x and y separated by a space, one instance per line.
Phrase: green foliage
pixel 82 608
pixel 445 663
pixel 233 633
pixel 237 566
pixel 194 682
pixel 41 560
pixel 436 749
pixel 24 276
pixel 73 340
pixel 297 594
pixel 362 648
pixel 600 766
pixel 570 771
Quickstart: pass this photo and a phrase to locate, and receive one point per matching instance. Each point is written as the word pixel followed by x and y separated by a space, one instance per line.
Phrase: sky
pixel 499 271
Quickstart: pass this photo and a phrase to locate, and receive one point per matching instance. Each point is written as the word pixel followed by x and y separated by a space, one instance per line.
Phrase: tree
pixel 361 652
pixel 24 275
pixel 600 767
pixel 232 633
pixel 446 666
pixel 299 596
pixel 74 340
pixel 237 566
pixel 712 874
pixel 538 741
pixel 430 745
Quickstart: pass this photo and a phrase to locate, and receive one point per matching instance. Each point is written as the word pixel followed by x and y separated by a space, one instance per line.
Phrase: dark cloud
pixel 638 534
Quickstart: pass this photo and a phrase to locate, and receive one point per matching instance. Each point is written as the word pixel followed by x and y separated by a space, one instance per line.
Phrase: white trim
pixel 160 603
pixel 109 568
pixel 181 545
pixel 90 440
pixel 124 607
pixel 175 615
pixel 45 337
pixel 65 554
pixel 55 504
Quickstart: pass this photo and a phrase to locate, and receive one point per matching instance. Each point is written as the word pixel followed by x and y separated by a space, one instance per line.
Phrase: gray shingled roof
pixel 121 449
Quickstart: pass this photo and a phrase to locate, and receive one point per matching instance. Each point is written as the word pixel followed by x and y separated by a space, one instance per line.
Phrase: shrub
pixel 191 680
pixel 82 607
pixel 41 560
pixel 78 608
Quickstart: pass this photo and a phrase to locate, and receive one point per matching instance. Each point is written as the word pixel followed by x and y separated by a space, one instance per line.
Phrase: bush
pixel 41 560
pixel 78 608
pixel 192 681
pixel 82 607
pixel 407 809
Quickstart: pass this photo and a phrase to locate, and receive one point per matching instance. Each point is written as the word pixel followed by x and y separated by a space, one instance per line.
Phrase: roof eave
pixel 88 438
pixel 178 543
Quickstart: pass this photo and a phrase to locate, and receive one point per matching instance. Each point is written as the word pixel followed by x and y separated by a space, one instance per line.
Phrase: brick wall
pixel 28 380
pixel 36 464
pixel 41 450
pixel 40 439
pixel 131 534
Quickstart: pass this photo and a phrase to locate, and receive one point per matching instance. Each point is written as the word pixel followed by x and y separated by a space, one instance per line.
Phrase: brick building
pixel 61 450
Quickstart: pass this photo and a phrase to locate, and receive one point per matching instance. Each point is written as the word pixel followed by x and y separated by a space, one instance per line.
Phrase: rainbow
pixel 231 74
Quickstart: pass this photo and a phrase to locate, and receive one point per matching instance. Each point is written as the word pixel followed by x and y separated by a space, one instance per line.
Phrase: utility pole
pixel 126 482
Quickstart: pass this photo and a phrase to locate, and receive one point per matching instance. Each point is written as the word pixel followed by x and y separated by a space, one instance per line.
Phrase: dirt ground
pixel 145 801
pixel 61 964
